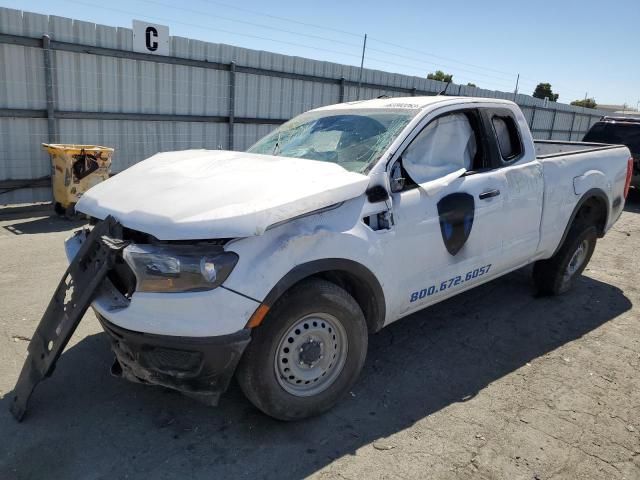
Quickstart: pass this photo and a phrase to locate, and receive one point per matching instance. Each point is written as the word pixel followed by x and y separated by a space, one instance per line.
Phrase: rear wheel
pixel 557 274
pixel 307 353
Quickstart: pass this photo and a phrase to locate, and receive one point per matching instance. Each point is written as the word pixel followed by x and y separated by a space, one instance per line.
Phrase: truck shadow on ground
pixel 633 201
pixel 47 223
pixel 84 423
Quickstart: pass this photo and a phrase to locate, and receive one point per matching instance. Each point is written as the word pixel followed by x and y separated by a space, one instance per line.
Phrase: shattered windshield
pixel 351 138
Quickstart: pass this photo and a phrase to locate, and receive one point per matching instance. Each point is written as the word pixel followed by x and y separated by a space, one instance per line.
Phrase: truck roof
pixel 408 102
pixel 613 118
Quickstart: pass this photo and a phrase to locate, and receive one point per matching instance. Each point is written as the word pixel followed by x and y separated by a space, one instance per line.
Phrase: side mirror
pixel 377 194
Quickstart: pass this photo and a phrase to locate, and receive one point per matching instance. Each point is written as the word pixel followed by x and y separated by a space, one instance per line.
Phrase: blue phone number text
pixel 450 283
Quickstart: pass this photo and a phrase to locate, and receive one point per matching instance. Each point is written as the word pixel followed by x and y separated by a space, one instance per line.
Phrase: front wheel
pixel 556 275
pixel 307 353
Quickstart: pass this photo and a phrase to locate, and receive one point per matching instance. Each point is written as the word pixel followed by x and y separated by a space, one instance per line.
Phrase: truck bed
pixel 553 148
pixel 571 169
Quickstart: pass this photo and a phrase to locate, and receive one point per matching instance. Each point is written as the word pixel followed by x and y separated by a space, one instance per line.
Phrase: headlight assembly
pixel 179 268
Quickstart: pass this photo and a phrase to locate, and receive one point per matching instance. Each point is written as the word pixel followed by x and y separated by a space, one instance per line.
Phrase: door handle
pixel 489 193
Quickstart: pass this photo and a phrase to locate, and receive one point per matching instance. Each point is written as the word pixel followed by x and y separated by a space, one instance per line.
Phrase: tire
pixel 557 274
pixel 59 209
pixel 288 370
pixel 70 212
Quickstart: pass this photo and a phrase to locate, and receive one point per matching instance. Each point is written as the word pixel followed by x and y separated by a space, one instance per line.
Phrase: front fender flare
pixel 375 308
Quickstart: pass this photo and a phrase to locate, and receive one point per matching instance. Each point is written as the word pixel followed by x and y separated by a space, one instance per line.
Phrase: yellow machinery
pixel 74 170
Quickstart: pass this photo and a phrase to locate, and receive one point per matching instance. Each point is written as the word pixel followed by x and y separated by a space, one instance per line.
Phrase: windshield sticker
pixel 402 105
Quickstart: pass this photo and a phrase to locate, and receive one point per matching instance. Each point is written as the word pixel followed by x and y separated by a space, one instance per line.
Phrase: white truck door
pixel 524 191
pixel 447 237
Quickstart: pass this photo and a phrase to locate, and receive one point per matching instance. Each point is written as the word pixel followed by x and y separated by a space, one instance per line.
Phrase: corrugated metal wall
pixel 98 83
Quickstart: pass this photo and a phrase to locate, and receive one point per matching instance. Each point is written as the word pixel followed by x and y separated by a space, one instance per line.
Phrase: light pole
pixel 364 47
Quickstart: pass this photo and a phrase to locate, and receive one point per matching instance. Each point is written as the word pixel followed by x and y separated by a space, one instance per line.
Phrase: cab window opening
pixel 447 143
pixel 507 137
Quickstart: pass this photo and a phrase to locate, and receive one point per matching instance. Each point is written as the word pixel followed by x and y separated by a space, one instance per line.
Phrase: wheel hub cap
pixel 311 354
pixel 576 262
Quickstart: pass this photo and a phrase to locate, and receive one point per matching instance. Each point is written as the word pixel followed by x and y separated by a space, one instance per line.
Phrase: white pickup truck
pixel 275 264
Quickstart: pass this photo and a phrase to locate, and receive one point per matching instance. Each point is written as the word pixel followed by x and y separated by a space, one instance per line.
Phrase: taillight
pixel 627 182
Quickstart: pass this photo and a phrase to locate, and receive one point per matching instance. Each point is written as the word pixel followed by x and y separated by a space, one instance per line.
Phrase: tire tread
pixel 253 373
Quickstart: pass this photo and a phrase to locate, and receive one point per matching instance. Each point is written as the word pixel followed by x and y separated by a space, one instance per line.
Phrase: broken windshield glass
pixel 353 139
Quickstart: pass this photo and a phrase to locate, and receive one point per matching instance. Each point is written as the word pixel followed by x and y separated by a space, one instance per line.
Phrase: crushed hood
pixel 200 194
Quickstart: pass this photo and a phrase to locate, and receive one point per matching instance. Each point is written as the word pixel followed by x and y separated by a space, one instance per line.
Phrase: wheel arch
pixel 354 277
pixel 594 203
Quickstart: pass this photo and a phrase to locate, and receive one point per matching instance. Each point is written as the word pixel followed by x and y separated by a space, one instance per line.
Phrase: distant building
pixel 618 109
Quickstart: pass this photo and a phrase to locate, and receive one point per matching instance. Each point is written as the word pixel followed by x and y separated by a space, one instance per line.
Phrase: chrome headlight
pixel 179 268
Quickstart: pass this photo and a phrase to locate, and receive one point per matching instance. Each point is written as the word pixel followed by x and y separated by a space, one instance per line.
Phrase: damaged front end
pixel 199 367
pixel 67 306
pixel 98 273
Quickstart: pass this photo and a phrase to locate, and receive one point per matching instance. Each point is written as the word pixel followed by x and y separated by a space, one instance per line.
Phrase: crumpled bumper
pixel 199 367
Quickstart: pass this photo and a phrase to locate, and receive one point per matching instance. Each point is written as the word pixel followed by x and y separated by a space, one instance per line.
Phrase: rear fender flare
pixel 591 193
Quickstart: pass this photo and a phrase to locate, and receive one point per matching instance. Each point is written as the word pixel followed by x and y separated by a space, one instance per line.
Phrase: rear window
pixel 507 135
pixel 615 133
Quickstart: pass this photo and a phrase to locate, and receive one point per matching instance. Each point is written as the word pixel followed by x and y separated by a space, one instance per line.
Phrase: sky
pixel 580 47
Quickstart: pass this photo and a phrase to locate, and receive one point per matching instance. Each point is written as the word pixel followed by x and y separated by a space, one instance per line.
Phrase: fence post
pixel 533 118
pixel 413 92
pixel 341 94
pixel 553 124
pixel 232 102
pixel 573 120
pixel 48 82
pixel 579 131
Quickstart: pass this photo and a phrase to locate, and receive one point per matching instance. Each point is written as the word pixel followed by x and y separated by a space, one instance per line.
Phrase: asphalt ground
pixel 493 383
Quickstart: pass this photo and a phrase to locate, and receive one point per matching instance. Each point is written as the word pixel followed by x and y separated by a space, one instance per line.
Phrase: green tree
pixel 441 76
pixel 543 90
pixel 469 84
pixel 587 103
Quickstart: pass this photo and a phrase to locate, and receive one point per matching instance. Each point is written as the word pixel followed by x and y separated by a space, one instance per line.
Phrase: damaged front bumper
pixel 190 342
pixel 199 363
pixel 70 301
pixel 199 367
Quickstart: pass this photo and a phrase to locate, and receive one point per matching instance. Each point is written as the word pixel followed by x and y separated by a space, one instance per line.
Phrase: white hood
pixel 204 194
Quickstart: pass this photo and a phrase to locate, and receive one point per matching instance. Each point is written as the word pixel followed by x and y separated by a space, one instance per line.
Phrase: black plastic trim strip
pixel 594 192
pixel 364 275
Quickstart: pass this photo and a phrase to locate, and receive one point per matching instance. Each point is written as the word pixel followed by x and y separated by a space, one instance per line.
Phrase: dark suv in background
pixel 619 131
